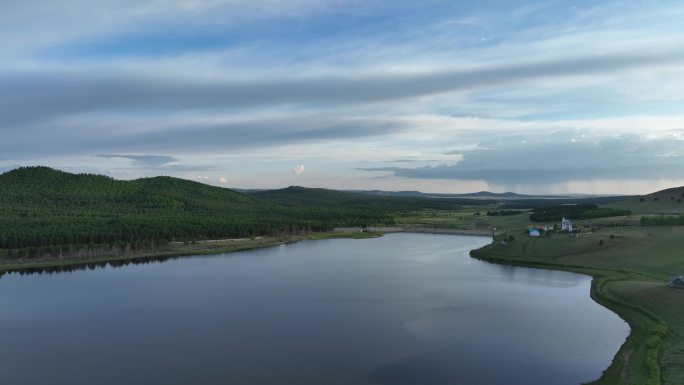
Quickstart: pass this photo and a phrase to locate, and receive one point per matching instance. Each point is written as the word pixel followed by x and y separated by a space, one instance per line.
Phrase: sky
pixel 543 97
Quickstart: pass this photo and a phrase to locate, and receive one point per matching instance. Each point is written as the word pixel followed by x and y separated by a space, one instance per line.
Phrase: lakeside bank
pixel 173 250
pixel 629 267
pixel 637 361
pixel 219 246
pixel 415 229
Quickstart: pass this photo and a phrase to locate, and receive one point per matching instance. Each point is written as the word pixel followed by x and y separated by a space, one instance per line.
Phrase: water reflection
pixel 93 265
pixel 540 277
pixel 401 309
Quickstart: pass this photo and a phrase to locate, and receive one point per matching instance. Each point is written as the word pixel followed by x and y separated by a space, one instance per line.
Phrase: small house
pixel 677 282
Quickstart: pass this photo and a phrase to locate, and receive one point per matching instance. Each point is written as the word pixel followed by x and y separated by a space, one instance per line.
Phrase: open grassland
pixel 670 201
pixel 474 218
pixel 631 266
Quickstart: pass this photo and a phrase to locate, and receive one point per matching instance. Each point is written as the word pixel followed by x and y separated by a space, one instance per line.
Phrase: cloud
pixel 187 134
pixel 143 160
pixel 223 180
pixel 520 176
pixel 298 170
pixel 222 83
pixel 52 22
pixel 159 162
pixel 557 157
pixel 20 93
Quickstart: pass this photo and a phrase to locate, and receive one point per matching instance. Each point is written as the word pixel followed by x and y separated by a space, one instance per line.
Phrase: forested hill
pixel 295 196
pixel 48 211
pixel 31 186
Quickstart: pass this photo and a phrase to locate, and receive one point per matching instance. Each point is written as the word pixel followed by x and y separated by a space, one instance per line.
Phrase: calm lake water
pixel 401 309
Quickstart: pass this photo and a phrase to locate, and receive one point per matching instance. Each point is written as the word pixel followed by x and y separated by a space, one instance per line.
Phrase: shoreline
pixel 174 250
pixel 640 321
pixel 417 230
pixel 647 331
pixel 219 246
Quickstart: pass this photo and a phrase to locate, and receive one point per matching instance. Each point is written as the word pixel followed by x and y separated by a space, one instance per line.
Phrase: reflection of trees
pixel 88 265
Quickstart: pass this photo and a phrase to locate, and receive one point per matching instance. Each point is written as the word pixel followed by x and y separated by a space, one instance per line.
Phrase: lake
pixel 400 309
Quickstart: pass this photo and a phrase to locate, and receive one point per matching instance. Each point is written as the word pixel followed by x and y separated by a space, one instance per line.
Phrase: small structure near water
pixel 677 282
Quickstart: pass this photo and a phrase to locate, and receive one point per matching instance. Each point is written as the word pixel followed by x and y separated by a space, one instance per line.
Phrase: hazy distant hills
pixel 481 194
pixel 296 196
pixel 489 195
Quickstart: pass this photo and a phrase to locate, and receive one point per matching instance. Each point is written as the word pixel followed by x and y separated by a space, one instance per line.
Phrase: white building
pixel 566 225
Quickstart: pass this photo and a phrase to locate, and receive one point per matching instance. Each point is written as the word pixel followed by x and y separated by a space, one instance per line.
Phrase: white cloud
pixel 422 93
pixel 223 180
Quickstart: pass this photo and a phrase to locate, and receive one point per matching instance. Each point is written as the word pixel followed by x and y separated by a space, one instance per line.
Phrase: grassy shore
pixel 630 266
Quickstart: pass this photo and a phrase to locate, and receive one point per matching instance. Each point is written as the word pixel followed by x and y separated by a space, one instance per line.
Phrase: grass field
pixel 670 201
pixel 466 219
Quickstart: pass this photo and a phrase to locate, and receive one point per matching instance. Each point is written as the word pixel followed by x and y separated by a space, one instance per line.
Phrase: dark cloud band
pixel 30 97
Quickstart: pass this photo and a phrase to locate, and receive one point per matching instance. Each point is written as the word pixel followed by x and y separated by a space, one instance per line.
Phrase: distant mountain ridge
pixel 318 197
pixel 485 195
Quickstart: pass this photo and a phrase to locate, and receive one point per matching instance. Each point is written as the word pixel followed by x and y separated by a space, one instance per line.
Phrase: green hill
pixel 49 211
pixel 295 196
pixel 46 211
pixel 669 201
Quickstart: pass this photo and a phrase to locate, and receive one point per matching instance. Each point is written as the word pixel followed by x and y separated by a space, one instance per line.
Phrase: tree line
pixel 662 220
pixel 49 212
pixel 579 211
